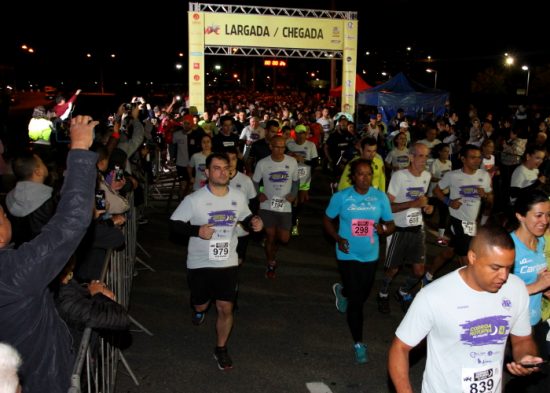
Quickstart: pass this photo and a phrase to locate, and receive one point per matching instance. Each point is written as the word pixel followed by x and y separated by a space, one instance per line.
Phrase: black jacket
pixel 28 318
pixel 79 309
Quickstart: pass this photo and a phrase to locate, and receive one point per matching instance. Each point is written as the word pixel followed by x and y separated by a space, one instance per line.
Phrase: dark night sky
pixel 465 34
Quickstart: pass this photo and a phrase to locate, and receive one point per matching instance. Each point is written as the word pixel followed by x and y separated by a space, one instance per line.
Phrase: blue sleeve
pixel 333 208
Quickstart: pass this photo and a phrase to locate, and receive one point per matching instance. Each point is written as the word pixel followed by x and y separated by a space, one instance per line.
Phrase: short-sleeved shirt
pixel 224 212
pixel 277 178
pixel 308 150
pixel 198 162
pixel 405 187
pixel 467 332
pixel 465 187
pixel 244 184
pixel 358 214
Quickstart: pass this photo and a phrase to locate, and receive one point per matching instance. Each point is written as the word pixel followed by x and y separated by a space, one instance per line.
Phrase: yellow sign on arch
pixel 273 31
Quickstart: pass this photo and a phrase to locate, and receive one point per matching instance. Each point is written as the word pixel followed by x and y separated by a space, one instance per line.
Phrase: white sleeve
pixel 183 211
pixel 418 321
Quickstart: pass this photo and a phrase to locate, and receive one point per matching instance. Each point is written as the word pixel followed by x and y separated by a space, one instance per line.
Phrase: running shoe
pixel 404 298
pixel 341 300
pixel 198 318
pixel 425 281
pixel 442 242
pixel 270 271
pixel 295 231
pixel 361 356
pixel 383 304
pixel 223 359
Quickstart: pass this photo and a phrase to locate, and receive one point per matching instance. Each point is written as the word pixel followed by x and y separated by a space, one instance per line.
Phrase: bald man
pixel 467 317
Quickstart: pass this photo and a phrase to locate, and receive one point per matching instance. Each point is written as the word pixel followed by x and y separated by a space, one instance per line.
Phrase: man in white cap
pixel 404 128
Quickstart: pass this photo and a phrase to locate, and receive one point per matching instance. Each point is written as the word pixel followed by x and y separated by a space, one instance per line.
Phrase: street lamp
pixel 429 71
pixel 526 68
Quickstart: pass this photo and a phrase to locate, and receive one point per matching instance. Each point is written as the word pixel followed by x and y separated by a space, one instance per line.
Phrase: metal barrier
pixel 96 368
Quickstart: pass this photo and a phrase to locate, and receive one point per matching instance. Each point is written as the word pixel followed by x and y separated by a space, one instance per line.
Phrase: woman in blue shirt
pixel 363 214
pixel 532 211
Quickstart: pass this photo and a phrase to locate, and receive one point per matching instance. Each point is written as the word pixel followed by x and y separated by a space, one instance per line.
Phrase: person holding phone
pixel 468 316
pixel 28 320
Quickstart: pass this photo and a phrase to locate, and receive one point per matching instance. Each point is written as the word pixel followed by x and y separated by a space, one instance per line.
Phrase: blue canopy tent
pixel 401 92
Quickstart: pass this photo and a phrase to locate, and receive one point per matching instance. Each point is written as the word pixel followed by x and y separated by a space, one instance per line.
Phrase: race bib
pixel 218 250
pixel 469 228
pixel 362 228
pixel 480 380
pixel 414 218
pixel 277 203
pixel 302 172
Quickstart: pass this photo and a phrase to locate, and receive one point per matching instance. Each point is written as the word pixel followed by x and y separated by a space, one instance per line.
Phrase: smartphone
pixel 531 365
pixel 100 200
pixel 119 173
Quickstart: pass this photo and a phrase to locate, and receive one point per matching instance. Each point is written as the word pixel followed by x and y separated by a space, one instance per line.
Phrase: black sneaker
pixel 405 299
pixel 198 317
pixel 383 304
pixel 223 359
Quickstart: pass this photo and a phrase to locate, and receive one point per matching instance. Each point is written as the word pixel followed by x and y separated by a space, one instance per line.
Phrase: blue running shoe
pixel 361 356
pixel 404 298
pixel 341 300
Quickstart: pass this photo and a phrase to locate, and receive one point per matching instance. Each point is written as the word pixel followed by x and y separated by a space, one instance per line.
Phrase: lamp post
pixel 429 71
pixel 526 68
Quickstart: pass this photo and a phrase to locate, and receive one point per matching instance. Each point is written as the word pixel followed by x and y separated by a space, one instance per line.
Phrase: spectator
pixel 63 108
pixel 31 204
pixel 28 320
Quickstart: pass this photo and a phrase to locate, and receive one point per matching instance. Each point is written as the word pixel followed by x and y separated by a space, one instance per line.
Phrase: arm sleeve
pixel 184 228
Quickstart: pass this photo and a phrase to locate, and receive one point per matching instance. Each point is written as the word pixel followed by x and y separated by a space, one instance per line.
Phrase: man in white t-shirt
pixel 210 216
pixel 467 317
pixel 279 174
pixel 407 192
pixel 468 187
pixel 250 134
pixel 305 153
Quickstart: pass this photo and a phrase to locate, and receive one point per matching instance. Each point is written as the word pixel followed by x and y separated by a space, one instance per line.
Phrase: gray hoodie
pixel 26 197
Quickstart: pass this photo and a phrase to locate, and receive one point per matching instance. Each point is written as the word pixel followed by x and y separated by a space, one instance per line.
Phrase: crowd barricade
pixel 97 360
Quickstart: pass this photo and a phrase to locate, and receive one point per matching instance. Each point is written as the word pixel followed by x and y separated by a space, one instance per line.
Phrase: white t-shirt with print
pixel 277 178
pixel 467 332
pixel 465 187
pixel 224 212
pixel 406 187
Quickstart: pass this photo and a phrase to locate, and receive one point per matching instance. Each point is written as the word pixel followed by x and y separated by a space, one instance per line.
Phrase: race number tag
pixel 414 218
pixel 480 380
pixel 277 203
pixel 362 228
pixel 302 172
pixel 469 228
pixel 218 250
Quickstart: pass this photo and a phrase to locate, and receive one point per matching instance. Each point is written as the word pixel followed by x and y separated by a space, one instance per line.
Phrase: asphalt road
pixel 288 335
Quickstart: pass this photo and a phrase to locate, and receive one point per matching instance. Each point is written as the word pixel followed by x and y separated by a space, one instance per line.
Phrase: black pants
pixel 358 279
